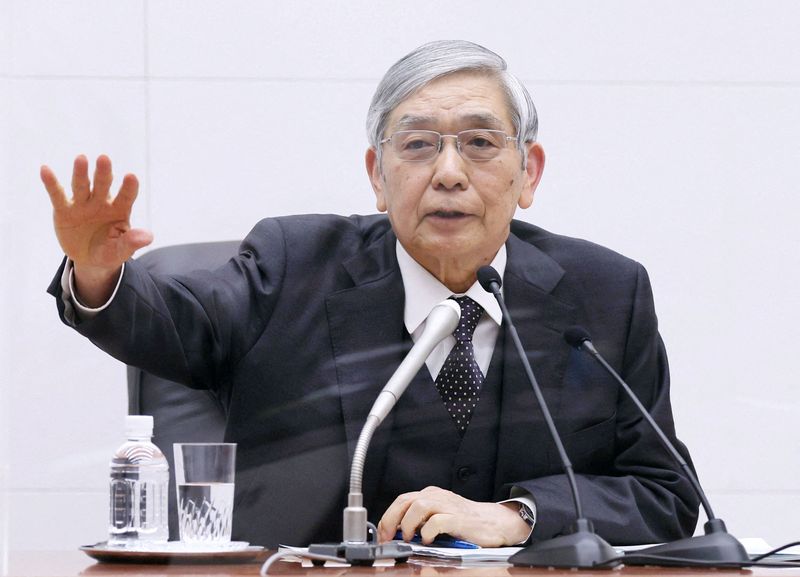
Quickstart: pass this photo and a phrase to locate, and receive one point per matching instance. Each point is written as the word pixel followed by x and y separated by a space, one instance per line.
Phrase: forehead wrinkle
pixel 474 120
pixel 414 121
pixel 484 120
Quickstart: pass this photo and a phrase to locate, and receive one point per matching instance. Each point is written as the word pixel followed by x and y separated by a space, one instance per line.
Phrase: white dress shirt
pixel 424 291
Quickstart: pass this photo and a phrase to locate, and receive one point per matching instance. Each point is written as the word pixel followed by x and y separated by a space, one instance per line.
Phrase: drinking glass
pixel 204 474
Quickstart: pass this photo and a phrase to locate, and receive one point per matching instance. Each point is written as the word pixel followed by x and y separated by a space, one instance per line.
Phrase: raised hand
pixel 93 228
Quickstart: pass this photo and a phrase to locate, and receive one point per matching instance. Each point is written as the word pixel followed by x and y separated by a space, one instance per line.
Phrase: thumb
pixel 134 239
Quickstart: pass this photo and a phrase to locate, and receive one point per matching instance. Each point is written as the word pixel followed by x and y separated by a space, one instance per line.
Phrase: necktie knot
pixel 470 315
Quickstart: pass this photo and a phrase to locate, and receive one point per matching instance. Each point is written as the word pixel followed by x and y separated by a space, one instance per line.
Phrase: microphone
pixel 717 548
pixel 583 548
pixel 441 322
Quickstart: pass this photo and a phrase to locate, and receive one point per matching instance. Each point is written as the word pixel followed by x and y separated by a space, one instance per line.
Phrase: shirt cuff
pixel 525 499
pixel 75 310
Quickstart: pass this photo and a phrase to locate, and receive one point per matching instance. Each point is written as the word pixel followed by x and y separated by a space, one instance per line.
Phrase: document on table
pixel 479 555
pixel 753 546
pixel 482 554
pixel 757 546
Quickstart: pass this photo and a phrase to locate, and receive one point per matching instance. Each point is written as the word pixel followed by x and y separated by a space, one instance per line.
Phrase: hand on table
pixel 434 511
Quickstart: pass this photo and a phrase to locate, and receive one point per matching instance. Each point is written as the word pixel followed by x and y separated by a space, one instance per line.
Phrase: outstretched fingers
pixel 85 190
pixel 102 178
pixel 93 228
pixel 54 189
pixel 81 187
pixel 127 193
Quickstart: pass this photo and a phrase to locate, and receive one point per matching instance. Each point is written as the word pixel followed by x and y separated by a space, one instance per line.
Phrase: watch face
pixel 525 514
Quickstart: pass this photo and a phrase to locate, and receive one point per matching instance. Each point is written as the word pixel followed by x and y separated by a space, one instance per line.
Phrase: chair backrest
pixel 180 414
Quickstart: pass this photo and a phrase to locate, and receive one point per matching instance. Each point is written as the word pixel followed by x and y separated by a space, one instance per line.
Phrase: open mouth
pixel 448 214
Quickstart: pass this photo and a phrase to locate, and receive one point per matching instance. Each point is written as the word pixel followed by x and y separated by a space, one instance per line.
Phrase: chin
pixel 452 247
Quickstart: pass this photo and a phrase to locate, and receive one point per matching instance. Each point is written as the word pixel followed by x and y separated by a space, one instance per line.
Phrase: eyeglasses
pixel 421 145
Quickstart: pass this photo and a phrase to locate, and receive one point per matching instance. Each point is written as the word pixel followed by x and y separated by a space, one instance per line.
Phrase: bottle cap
pixel 139 426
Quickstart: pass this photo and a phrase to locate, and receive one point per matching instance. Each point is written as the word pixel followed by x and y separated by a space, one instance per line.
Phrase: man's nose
pixel 450 169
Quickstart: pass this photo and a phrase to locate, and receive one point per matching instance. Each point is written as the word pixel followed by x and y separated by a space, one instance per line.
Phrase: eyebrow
pixel 475 120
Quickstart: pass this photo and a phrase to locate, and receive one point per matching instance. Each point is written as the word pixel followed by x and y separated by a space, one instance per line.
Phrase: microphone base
pixel 717 549
pixel 582 549
pixel 362 554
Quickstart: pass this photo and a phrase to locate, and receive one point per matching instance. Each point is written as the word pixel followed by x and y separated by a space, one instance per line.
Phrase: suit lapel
pixel 524 445
pixel 367 337
pixel 366 353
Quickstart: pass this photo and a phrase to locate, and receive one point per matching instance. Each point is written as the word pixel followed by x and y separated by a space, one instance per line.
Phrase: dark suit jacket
pixel 299 333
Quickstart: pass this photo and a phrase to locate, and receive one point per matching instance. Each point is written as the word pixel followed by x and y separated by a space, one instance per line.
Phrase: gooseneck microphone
pixel 583 548
pixel 717 548
pixel 354 548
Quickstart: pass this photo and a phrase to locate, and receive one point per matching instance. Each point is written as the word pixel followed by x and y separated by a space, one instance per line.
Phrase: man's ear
pixel 376 178
pixel 533 173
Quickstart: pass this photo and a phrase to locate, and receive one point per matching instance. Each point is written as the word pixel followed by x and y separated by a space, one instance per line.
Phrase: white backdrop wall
pixel 672 136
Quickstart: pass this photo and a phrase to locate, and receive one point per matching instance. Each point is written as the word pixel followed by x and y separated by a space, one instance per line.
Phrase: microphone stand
pixel 717 547
pixel 582 548
pixel 355 548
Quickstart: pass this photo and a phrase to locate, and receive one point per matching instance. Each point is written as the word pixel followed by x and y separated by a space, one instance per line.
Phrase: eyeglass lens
pixel 418 145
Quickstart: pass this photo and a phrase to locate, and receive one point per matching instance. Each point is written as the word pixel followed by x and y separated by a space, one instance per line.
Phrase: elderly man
pixel 298 333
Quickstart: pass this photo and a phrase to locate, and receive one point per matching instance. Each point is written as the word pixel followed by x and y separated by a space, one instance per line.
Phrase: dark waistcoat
pixel 424 438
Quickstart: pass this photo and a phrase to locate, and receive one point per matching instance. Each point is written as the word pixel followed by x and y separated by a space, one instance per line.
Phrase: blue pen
pixel 443 540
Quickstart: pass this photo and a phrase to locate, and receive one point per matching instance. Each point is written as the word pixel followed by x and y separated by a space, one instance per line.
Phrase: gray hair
pixel 443 58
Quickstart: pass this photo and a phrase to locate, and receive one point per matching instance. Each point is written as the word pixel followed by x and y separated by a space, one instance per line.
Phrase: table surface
pixel 76 563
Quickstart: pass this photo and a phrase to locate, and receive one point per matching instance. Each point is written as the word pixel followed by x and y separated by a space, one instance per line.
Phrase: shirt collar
pixel 424 291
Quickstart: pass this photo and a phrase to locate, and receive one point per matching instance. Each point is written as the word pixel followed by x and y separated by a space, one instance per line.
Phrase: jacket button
pixel 463 473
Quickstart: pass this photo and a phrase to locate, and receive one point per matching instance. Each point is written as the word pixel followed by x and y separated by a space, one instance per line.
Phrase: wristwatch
pixel 526 514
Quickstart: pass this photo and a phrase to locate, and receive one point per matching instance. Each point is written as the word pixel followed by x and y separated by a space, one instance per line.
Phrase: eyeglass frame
pixel 458 142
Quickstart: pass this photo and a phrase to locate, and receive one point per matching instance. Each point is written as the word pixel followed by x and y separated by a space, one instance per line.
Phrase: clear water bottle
pixel 138 487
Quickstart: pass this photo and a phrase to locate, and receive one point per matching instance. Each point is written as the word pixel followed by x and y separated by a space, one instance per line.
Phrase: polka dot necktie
pixel 459 382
